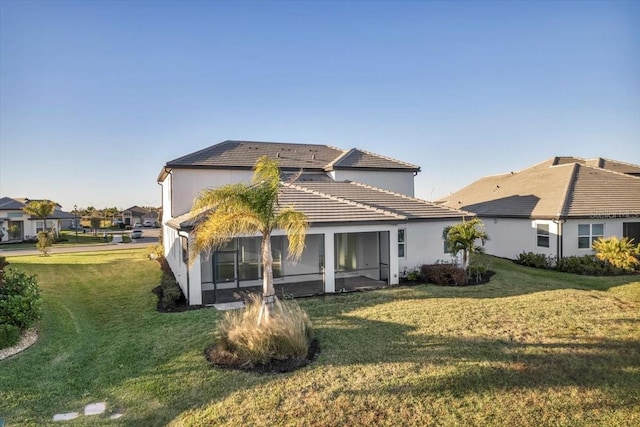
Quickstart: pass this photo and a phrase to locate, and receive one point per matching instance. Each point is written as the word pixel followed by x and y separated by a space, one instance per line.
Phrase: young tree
pixel 238 209
pixel 95 223
pixel 463 236
pixel 40 209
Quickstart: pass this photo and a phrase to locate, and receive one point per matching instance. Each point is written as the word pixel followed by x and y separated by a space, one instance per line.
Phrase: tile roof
pixel 349 202
pixel 9 204
pixel 244 154
pixel 319 208
pixel 556 188
pixel 597 191
pixel 356 158
pixel 596 162
pixel 408 207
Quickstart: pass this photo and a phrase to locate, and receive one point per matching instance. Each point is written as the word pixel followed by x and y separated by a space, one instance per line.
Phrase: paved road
pixel 150 237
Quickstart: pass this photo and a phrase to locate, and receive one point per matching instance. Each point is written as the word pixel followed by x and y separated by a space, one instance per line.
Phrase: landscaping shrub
pixel 410 274
pixel 531 259
pixel 155 251
pixel 619 253
pixel 171 292
pixel 9 335
pixel 243 343
pixel 476 272
pixel 19 299
pixel 586 264
pixel 170 296
pixel 443 274
pixel 3 264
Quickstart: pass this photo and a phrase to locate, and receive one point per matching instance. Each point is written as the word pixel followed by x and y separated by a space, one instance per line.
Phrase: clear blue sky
pixel 96 96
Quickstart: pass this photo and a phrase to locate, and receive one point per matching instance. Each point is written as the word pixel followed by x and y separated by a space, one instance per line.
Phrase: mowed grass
pixel 530 348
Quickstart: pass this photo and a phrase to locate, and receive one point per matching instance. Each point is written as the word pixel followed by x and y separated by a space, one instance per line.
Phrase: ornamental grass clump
pixel 243 343
pixel 619 253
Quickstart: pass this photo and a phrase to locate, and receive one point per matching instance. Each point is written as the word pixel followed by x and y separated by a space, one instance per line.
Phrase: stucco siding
pixel 509 237
pixel 399 182
pixel 612 227
pixel 424 243
pixel 187 184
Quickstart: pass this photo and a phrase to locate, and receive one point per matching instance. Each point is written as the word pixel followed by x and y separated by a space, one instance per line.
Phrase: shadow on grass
pixel 481 365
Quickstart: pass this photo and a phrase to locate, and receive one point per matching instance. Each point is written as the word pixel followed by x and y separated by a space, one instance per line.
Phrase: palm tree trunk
pixel 268 291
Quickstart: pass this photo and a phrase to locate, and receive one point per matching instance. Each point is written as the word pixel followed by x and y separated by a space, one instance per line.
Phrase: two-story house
pixel 366 226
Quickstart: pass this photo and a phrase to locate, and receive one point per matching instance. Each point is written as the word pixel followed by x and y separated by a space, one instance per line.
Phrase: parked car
pixel 137 225
pixel 149 223
pixel 136 233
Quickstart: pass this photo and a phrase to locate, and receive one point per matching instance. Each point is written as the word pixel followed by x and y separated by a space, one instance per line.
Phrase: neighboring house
pixel 365 225
pixel 15 225
pixel 136 214
pixel 557 207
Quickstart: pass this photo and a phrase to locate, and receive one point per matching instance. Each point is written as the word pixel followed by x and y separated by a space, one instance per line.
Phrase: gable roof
pixel 556 188
pixel 137 210
pixel 361 159
pixel 310 157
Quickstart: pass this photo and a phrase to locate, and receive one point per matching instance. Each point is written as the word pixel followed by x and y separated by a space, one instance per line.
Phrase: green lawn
pixel 530 348
pixel 69 240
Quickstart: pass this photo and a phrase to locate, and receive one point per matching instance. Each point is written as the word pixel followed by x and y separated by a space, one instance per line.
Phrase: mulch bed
pixel 224 360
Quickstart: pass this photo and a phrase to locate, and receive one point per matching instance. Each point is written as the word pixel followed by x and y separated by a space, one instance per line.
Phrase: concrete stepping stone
pixel 95 408
pixel 66 416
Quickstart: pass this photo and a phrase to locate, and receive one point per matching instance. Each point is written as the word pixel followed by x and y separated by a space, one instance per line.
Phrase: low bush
pixel 3 264
pixel 170 296
pixel 9 335
pixel 443 274
pixel 477 272
pixel 587 265
pixel 19 299
pixel 243 343
pixel 410 274
pixel 171 292
pixel 531 259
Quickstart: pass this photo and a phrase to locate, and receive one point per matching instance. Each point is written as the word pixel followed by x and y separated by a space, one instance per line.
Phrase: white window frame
pixel 545 234
pixel 402 244
pixel 591 236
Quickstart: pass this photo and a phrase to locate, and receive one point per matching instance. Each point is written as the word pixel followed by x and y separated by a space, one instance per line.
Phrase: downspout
pixel 559 239
pixel 180 236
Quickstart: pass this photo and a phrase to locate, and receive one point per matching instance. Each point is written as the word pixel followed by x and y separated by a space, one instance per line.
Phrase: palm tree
pixel 239 209
pixel 40 209
pixel 463 236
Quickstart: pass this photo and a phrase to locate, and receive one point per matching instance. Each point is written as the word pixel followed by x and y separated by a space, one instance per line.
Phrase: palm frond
pixel 213 197
pixel 295 225
pixel 267 172
pixel 219 227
